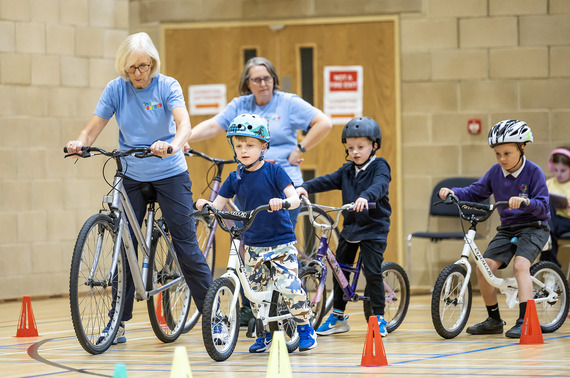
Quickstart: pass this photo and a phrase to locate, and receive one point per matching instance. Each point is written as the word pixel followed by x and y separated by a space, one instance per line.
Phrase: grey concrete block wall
pixel 486 59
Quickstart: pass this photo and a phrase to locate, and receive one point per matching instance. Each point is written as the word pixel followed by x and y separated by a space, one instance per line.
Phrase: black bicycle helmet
pixel 362 127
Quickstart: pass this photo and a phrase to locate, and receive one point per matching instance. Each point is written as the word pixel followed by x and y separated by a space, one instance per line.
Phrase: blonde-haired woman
pixel 150 110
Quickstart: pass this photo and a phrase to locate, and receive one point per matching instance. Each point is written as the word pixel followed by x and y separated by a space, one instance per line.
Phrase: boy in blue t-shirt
pixel 271 238
pixel 523 231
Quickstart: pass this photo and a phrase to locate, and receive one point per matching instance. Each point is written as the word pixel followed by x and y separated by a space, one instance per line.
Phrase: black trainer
pixel 515 332
pixel 490 326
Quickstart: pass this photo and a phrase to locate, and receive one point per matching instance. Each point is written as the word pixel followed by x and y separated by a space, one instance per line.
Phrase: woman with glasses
pixel 286 114
pixel 150 111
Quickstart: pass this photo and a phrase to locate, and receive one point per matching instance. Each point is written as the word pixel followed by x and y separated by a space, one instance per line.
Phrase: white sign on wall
pixel 343 93
pixel 206 99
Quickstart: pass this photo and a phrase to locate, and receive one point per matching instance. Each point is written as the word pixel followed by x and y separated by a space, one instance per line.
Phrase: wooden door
pixel 214 54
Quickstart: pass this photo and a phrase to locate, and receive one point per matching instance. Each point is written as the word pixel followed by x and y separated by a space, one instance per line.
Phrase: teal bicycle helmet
pixel 249 125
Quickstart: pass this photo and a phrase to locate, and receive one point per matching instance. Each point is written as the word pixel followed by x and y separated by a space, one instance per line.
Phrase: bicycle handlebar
pixel 339 210
pixel 139 152
pixel 243 216
pixel 191 152
pixel 486 208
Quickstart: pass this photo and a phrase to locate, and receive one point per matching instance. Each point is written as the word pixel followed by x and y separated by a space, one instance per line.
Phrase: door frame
pixel 278 24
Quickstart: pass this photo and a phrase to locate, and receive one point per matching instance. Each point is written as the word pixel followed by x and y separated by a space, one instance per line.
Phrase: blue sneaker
pixel 308 337
pixel 120 338
pixel 220 334
pixel 262 344
pixel 382 325
pixel 333 324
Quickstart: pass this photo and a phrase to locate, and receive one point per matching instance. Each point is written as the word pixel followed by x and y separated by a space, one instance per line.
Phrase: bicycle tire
pixel 203 231
pixel 288 326
pixel 94 300
pixel 169 313
pixel 219 315
pixel 448 315
pixel 550 314
pixel 397 300
pixel 310 278
pixel 308 241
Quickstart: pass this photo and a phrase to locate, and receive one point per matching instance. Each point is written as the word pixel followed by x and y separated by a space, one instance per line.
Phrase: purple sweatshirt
pixel 530 183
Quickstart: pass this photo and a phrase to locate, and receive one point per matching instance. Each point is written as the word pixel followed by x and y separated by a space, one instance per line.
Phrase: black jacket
pixel 372 184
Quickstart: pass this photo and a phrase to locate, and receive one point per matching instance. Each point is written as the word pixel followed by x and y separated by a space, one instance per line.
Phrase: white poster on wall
pixel 206 99
pixel 343 93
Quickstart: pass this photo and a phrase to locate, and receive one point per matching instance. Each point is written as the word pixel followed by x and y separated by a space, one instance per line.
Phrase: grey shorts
pixel 510 242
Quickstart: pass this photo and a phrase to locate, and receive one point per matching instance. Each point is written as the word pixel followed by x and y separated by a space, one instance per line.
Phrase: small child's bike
pixel 451 297
pixel 220 318
pixel 313 276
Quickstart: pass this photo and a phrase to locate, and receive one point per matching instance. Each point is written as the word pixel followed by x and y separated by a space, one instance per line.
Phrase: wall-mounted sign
pixel 343 93
pixel 206 99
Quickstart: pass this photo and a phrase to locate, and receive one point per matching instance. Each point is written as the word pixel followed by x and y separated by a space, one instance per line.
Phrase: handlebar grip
pixel 286 204
pixel 523 204
pixel 64 150
pixel 169 150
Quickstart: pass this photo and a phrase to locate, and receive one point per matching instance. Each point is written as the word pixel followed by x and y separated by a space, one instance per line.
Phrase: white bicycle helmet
pixel 510 131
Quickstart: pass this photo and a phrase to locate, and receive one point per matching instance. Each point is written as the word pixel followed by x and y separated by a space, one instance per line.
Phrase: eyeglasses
pixel 258 80
pixel 142 68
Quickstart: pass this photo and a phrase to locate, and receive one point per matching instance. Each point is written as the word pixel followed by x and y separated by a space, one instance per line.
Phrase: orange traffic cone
pixel 159 315
pixel 373 353
pixel 27 323
pixel 531 332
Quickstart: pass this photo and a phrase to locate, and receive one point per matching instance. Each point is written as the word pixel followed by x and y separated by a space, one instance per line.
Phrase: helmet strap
pixel 519 145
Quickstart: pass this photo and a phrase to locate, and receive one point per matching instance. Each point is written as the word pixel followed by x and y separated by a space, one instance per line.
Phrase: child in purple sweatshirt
pixel 523 231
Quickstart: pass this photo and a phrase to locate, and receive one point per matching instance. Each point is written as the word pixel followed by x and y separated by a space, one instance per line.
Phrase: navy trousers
pixel 174 197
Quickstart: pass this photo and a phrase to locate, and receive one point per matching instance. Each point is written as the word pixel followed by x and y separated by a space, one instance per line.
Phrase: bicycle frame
pixel 120 207
pixel 507 286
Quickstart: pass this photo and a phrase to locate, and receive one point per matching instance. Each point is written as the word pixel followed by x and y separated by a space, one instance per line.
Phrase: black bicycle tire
pixel 561 279
pixel 394 322
pixel 89 340
pixel 207 331
pixel 278 307
pixel 319 309
pixel 441 329
pixel 175 326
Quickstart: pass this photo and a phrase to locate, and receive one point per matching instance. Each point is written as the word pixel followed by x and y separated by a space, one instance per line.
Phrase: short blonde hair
pixel 132 46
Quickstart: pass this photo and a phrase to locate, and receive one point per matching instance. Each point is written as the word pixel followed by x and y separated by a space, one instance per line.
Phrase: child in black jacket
pixel 365 178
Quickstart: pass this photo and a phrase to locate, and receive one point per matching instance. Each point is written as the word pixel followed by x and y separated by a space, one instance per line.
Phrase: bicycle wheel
pixel 288 325
pixel 308 241
pixel 310 278
pixel 551 314
pixel 396 293
pixel 169 309
pixel 96 286
pixel 220 322
pixel 449 312
pixel 203 231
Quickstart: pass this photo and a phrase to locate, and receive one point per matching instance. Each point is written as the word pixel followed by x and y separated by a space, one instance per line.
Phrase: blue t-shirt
pixel 145 116
pixel 256 188
pixel 286 114
pixel 530 183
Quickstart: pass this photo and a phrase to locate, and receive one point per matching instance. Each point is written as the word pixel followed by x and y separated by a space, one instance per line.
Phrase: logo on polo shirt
pixel 152 105
pixel 523 190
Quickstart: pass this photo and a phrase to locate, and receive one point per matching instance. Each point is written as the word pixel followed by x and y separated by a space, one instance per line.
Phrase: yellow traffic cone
pixel 180 364
pixel 279 365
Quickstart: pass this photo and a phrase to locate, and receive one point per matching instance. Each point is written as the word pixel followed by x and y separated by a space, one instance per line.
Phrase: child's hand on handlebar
pixel 444 192
pixel 360 204
pixel 301 192
pixel 275 204
pixel 518 202
pixel 200 203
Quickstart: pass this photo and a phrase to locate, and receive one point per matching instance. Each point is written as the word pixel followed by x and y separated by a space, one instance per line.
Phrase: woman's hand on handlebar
pixel 74 147
pixel 200 203
pixel 161 148
pixel 444 192
pixel 518 202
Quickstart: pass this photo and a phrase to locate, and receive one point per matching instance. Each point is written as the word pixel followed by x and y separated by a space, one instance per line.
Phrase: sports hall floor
pixel 413 350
